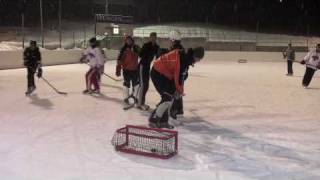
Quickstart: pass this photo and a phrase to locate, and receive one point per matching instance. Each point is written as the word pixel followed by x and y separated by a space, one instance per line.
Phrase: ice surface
pixel 242 121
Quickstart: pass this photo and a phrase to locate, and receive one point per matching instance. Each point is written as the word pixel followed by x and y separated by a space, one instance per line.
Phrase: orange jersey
pixel 169 66
pixel 129 60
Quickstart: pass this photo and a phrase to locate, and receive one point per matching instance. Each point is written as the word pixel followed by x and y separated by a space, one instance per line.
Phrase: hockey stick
pixel 117 80
pixel 305 64
pixel 55 89
pixel 131 105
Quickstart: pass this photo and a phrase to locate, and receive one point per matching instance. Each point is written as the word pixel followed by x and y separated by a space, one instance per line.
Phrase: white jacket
pixel 95 57
pixel 312 59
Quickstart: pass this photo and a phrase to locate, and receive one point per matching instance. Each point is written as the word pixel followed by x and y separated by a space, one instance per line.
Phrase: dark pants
pixel 165 88
pixel 308 76
pixel 290 70
pixel 130 77
pixel 144 77
pixel 31 71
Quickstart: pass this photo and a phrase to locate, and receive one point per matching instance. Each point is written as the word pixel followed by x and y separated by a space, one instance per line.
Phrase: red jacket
pixel 128 60
pixel 169 66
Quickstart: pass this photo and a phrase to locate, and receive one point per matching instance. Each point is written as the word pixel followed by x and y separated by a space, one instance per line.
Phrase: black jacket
pixel 31 58
pixel 186 60
pixel 148 52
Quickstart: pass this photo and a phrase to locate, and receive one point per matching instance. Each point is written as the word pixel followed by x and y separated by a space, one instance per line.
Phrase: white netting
pixel 145 140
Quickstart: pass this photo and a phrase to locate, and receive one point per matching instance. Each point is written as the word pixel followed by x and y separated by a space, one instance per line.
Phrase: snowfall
pixel 242 121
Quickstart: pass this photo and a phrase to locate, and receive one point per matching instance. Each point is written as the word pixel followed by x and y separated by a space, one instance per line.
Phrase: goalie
pixel 167 75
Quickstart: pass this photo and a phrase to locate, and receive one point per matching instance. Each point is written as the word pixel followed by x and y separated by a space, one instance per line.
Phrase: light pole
pixel 41 22
pixel 22 22
pixel 60 15
pixel 107 7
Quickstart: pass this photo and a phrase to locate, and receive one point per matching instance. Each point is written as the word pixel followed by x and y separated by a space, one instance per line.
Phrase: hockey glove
pixel 303 62
pixel 118 70
pixel 177 95
pixel 39 73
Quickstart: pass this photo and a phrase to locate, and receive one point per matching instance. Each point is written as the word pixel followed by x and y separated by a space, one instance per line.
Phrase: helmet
pixel 175 36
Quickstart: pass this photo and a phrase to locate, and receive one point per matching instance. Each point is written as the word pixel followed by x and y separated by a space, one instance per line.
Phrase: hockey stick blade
pixel 128 107
pixel 55 89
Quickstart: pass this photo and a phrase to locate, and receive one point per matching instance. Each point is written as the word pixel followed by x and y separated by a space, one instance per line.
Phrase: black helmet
pixel 33 43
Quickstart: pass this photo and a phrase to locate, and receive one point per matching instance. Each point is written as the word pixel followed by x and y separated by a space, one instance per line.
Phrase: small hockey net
pixel 144 141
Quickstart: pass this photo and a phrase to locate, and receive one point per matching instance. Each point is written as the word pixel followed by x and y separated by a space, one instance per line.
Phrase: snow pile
pixel 10 46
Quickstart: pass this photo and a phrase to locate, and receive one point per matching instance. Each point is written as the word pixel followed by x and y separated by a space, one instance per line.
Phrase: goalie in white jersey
pixel 312 62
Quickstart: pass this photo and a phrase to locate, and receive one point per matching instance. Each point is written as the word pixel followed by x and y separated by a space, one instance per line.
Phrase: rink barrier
pixel 14 59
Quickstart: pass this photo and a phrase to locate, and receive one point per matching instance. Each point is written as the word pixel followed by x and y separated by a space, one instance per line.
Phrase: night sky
pixel 288 16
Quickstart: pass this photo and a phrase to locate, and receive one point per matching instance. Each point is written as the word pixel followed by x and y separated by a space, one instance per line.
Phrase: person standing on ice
pixel 290 55
pixel 128 62
pixel 32 61
pixel 312 62
pixel 94 57
pixel 148 52
pixel 167 75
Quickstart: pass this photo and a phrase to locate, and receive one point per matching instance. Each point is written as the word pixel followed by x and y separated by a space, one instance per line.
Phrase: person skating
pixel 94 57
pixel 32 61
pixel 289 54
pixel 148 52
pixel 167 76
pixel 312 62
pixel 128 63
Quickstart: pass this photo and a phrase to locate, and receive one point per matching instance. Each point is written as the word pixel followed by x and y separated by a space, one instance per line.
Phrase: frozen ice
pixel 242 121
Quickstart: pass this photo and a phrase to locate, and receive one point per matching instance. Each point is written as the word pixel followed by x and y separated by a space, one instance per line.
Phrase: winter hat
pixel 33 42
pixel 175 36
pixel 198 52
pixel 153 34
pixel 93 40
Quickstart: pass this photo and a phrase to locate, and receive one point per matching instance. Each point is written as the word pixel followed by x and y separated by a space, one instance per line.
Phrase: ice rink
pixel 242 121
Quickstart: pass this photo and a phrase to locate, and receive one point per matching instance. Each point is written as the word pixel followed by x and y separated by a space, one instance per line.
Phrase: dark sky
pixel 294 16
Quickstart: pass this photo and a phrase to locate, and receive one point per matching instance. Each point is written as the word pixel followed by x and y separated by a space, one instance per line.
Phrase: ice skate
pixel 30 90
pixel 87 91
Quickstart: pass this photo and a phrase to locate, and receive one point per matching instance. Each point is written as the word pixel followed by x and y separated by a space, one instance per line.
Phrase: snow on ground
pixel 242 121
pixel 225 34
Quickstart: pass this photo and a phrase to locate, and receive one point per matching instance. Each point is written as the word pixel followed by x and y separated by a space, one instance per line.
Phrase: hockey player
pixel 128 62
pixel 289 54
pixel 32 61
pixel 147 54
pixel 177 106
pixel 167 76
pixel 312 62
pixel 94 57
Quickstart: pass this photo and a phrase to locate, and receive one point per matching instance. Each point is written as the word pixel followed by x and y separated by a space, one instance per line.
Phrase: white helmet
pixel 175 36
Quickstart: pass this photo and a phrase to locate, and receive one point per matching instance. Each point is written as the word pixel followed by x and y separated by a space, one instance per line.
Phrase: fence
pixel 260 39
pixel 78 36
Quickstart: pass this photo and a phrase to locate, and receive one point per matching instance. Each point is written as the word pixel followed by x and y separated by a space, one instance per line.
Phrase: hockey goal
pixel 157 143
